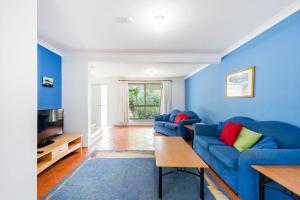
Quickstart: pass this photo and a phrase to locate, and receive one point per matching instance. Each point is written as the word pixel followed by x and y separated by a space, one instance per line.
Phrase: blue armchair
pixel 165 124
pixel 234 167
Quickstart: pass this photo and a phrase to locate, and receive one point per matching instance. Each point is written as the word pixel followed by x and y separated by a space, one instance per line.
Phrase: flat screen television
pixel 50 124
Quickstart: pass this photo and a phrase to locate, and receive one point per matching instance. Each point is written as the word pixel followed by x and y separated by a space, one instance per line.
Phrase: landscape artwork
pixel 47 81
pixel 240 84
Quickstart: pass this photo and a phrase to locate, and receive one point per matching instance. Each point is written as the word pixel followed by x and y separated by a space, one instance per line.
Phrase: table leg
pixel 261 186
pixel 192 137
pixel 160 183
pixel 202 183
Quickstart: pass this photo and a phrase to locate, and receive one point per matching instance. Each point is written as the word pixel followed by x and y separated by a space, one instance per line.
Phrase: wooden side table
pixel 190 129
pixel 286 176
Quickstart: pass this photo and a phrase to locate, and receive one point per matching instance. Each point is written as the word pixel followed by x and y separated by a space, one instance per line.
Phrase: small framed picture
pixel 240 84
pixel 47 81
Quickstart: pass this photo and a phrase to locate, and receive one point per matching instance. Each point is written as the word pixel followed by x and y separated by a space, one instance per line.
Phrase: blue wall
pixel 276 57
pixel 49 64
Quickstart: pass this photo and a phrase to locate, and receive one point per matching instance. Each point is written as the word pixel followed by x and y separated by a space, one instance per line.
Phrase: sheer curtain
pixel 123 103
pixel 166 97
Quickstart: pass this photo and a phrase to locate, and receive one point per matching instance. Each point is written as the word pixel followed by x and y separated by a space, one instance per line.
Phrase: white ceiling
pixel 201 26
pixel 139 70
pixel 196 32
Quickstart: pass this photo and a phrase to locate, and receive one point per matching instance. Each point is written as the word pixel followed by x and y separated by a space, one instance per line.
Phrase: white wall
pixel 18 102
pixel 113 96
pixel 178 93
pixel 75 96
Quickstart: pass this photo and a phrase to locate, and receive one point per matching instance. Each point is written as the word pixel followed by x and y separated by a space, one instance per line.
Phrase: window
pixel 144 100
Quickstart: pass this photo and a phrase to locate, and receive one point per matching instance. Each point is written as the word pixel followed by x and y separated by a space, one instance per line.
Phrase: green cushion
pixel 246 139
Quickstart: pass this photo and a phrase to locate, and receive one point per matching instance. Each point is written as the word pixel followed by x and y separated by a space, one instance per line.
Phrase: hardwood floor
pixel 54 174
pixel 113 139
pixel 122 138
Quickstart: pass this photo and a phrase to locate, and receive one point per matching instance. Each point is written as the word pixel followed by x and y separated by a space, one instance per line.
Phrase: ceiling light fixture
pixel 160 23
pixel 151 72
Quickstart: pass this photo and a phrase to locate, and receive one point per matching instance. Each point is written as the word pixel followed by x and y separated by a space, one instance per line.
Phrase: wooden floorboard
pixel 229 191
pixel 54 174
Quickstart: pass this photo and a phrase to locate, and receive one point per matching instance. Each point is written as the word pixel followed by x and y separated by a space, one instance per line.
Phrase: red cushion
pixel 181 116
pixel 230 132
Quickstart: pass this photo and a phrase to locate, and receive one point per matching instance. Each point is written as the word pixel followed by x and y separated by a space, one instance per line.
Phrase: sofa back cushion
pixel 206 141
pixel 285 135
pixel 230 132
pixel 173 115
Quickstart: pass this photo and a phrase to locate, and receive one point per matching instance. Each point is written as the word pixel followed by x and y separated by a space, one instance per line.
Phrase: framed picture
pixel 240 84
pixel 47 81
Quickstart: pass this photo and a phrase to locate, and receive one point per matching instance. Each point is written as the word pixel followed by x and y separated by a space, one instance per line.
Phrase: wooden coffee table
pixel 175 152
pixel 287 176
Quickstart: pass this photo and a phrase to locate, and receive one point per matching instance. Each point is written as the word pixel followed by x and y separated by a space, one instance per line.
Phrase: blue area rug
pixel 125 179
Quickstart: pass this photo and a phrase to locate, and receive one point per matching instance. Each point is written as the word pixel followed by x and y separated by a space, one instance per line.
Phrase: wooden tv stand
pixel 62 146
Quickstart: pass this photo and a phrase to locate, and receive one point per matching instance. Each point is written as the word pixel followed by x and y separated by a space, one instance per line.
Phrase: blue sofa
pixel 235 167
pixel 165 124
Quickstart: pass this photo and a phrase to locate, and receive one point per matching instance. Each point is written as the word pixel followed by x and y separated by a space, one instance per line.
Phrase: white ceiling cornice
pixel 49 46
pixel 142 56
pixel 171 58
pixel 197 70
pixel 262 28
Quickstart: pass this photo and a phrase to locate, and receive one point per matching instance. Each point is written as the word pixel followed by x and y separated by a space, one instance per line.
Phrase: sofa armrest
pixel 207 130
pixel 182 131
pixel 270 156
pixel 246 174
pixel 158 118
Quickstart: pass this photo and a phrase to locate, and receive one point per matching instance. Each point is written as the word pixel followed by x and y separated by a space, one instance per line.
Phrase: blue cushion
pixel 160 123
pixel 173 115
pixel 206 141
pixel 227 155
pixel 266 143
pixel 170 125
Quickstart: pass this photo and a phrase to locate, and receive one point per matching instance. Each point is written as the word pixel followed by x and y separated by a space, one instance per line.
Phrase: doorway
pixel 99 101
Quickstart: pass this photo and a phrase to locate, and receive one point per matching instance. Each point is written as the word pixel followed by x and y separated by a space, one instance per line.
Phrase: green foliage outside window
pixel 144 100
